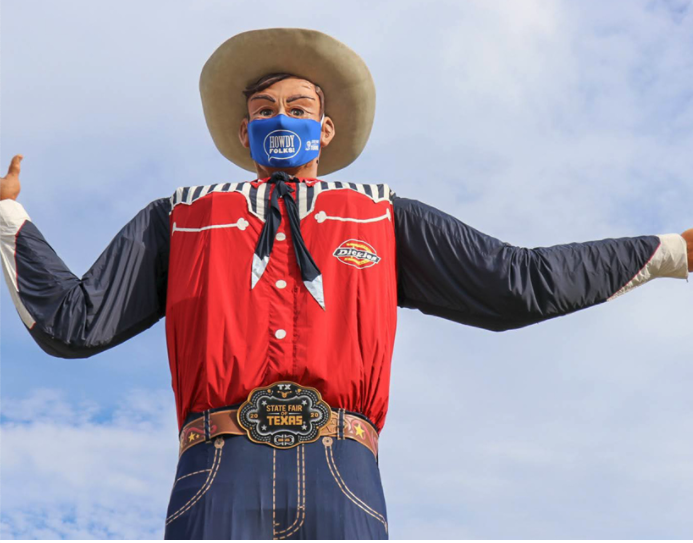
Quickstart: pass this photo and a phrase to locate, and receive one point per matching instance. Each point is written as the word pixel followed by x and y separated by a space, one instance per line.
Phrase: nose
pixel 282 109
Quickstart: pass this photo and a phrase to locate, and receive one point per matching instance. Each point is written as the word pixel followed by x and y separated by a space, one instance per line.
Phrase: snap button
pixel 280 334
pixel 280 284
pixel 281 236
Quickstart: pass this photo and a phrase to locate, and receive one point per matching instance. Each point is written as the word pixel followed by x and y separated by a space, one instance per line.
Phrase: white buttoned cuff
pixel 669 260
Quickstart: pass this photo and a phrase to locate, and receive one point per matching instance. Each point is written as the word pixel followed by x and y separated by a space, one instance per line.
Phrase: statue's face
pixel 292 97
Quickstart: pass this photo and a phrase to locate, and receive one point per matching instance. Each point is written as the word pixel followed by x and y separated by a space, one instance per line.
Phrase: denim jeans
pixel 232 488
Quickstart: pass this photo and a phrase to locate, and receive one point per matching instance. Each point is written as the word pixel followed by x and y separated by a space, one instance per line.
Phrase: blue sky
pixel 537 122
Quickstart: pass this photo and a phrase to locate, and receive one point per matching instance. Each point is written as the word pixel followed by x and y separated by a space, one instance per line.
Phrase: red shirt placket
pixel 281 281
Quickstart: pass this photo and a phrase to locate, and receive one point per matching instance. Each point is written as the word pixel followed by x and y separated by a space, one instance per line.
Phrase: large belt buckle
pixel 284 414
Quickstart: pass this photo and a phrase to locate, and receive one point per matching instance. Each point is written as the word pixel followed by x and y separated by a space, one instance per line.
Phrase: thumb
pixel 14 165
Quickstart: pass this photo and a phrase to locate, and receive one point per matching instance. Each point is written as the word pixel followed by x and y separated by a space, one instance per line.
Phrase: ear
pixel 328 132
pixel 243 134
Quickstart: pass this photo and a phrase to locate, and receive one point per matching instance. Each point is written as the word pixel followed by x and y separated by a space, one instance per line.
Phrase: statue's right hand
pixel 9 185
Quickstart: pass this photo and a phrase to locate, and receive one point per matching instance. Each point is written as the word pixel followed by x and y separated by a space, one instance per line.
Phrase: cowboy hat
pixel 309 54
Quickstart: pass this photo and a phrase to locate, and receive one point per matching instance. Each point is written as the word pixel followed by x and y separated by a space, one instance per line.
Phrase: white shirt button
pixel 280 284
pixel 281 236
pixel 280 334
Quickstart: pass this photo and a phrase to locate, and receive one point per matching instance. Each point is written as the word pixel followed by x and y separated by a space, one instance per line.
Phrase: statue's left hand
pixel 9 185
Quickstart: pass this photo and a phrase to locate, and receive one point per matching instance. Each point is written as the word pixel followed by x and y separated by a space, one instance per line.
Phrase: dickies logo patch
pixel 357 253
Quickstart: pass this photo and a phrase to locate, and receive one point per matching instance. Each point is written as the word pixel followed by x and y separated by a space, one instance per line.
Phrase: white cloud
pixel 68 472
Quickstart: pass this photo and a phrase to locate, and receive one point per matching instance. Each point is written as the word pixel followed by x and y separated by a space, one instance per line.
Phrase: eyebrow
pixel 263 97
pixel 298 97
pixel 291 99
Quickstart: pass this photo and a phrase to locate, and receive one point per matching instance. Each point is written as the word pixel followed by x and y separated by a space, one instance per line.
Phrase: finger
pixel 14 165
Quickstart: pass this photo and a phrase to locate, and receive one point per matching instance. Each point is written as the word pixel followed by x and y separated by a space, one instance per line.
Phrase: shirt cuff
pixel 12 217
pixel 671 259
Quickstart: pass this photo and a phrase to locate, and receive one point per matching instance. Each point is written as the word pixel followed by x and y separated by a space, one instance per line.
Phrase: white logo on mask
pixel 281 144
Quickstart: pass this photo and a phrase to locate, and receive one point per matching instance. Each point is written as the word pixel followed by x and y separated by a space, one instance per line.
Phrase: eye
pixel 266 112
pixel 297 112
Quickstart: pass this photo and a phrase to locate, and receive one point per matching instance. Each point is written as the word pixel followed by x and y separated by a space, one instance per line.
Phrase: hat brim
pixel 341 73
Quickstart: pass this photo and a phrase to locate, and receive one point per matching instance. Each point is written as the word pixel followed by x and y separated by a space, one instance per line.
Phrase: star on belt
pixel 310 274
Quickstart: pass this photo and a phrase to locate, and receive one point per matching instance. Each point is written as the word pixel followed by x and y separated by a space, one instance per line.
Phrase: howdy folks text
pixel 282 144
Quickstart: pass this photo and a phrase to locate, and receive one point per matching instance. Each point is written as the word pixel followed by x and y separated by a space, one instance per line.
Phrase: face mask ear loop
pixel 322 120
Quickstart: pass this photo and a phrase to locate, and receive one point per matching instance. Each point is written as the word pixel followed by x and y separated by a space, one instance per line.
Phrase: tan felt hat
pixel 312 55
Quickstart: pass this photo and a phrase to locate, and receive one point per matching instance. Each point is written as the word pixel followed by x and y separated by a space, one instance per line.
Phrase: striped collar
pixel 308 181
pixel 257 193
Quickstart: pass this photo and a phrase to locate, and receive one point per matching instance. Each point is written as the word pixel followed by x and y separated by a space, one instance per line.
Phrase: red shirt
pixel 224 338
pixel 189 258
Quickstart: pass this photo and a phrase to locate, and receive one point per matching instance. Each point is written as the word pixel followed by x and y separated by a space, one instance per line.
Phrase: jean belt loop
pixel 340 424
pixel 206 424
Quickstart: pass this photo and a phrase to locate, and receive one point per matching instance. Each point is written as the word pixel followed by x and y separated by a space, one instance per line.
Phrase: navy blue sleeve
pixel 448 269
pixel 122 294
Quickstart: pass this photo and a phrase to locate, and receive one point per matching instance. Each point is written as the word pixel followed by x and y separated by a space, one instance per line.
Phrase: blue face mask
pixel 284 142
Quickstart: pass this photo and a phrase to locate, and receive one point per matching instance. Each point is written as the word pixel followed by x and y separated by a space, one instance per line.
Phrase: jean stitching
pixel 345 489
pixel 193 473
pixel 274 491
pixel 298 493
pixel 301 501
pixel 334 464
pixel 218 444
pixel 302 507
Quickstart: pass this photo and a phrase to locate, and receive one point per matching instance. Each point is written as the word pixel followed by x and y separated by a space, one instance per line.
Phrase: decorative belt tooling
pixel 284 414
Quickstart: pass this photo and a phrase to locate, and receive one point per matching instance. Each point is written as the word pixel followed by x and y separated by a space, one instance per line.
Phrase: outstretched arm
pixel 451 270
pixel 122 294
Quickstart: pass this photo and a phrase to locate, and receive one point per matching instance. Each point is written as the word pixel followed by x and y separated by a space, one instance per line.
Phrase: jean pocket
pixel 328 442
pixel 197 469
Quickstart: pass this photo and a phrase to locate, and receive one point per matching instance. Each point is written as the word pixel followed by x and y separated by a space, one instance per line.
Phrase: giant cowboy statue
pixel 281 294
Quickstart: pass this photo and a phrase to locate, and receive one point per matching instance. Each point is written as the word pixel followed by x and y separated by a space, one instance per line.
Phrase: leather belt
pixel 341 425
